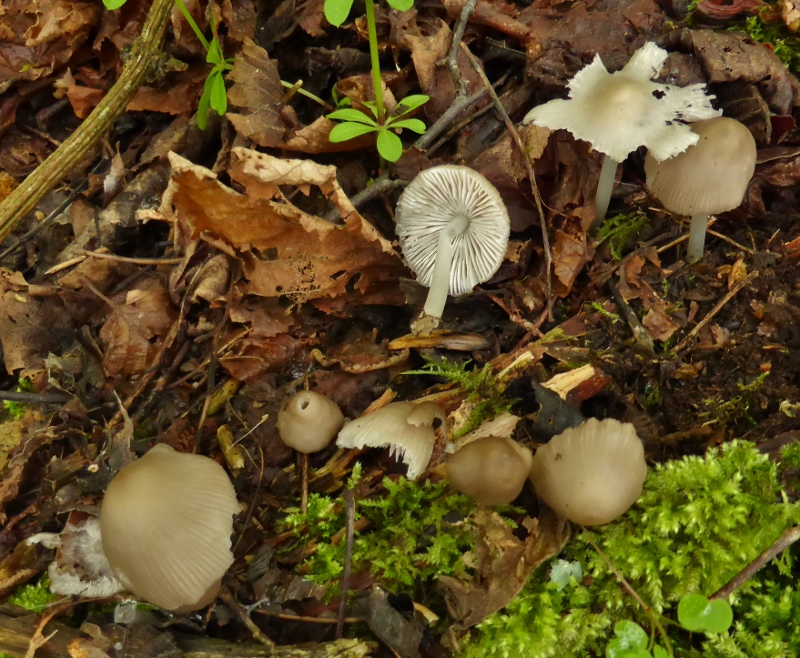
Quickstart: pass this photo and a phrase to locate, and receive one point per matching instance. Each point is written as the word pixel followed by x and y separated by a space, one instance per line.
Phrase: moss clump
pixel 33 596
pixel 416 532
pixel 697 524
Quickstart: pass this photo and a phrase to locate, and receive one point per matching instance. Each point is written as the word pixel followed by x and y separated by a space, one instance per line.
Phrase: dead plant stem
pixel 144 55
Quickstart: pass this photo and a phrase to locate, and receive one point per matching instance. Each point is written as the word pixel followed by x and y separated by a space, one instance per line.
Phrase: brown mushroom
pixel 166 524
pixel 591 474
pixel 491 470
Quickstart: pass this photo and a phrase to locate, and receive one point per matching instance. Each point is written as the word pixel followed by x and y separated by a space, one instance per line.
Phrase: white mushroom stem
pixel 697 237
pixel 608 174
pixel 440 278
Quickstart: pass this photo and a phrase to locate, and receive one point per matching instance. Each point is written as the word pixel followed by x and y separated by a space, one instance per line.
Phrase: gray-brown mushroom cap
pixel 591 474
pixel 453 228
pixel 308 421
pixel 166 524
pixel 492 470
pixel 711 176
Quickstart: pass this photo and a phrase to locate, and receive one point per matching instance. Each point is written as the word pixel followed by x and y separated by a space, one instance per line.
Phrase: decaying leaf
pixel 502 564
pixel 284 250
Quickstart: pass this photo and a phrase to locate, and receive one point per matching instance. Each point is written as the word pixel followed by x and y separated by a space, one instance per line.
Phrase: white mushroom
pixel 308 421
pixel 707 178
pixel 619 112
pixel 405 427
pixel 591 474
pixel 453 229
pixel 166 525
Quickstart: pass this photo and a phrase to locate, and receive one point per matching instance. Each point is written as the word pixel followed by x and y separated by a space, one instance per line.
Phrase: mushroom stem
pixel 602 198
pixel 697 237
pixel 440 278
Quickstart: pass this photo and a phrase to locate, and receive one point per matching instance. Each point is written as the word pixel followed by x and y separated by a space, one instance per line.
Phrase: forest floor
pixel 179 284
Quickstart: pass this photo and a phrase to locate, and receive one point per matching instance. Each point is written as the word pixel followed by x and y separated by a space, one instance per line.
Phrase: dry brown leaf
pixel 658 324
pixel 502 564
pixel 285 251
pixel 569 256
pixel 257 92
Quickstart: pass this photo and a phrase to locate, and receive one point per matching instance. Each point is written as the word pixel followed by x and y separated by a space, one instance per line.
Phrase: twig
pixel 135 261
pixel 444 122
pixel 717 308
pixel 548 255
pixel 643 338
pixel 303 483
pixel 652 614
pixel 783 542
pixel 350 512
pixel 311 620
pixel 34 398
pixel 240 612
pixel 143 57
pixel 452 57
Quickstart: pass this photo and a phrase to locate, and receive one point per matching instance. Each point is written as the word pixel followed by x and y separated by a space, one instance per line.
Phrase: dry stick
pixel 452 57
pixel 28 397
pixel 241 613
pixel 548 255
pixel 783 542
pixel 144 56
pixel 654 616
pixel 643 338
pixel 135 261
pixel 304 483
pixel 699 326
pixel 350 511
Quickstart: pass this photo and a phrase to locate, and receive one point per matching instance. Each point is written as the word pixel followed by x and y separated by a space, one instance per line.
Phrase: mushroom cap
pixel 709 177
pixel 308 421
pixel 619 112
pixel 405 427
pixel 591 474
pixel 436 197
pixel 166 525
pixel 491 470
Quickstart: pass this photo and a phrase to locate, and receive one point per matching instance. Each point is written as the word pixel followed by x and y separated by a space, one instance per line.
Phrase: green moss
pixel 16 409
pixel 33 596
pixel 619 230
pixel 697 524
pixel 416 532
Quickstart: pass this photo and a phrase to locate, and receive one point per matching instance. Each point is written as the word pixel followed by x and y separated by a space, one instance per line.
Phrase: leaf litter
pixel 193 312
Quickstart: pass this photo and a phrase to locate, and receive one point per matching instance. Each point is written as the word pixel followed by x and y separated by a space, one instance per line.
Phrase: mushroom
pixel 453 229
pixel 491 470
pixel 591 474
pixel 619 112
pixel 308 422
pixel 707 178
pixel 166 523
pixel 405 427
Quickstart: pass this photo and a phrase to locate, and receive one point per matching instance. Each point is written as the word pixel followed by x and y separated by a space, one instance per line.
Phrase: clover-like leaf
pixel 337 11
pixel 349 130
pixel 389 145
pixel 630 641
pixel 697 613
pixel 352 115
pixel 660 652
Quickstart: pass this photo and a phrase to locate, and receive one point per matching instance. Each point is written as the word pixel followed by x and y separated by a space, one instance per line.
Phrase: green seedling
pixel 214 95
pixel 697 613
pixel 632 642
pixel 357 123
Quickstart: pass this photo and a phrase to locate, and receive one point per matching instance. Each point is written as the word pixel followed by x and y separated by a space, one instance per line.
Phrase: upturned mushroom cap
pixel 591 474
pixel 308 421
pixel 709 177
pixel 405 427
pixel 491 470
pixel 458 206
pixel 619 112
pixel 166 525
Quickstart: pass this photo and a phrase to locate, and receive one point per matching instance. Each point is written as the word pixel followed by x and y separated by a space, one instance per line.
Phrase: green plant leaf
pixel 660 652
pixel 401 5
pixel 414 101
pixel 337 11
pixel 218 96
pixel 352 115
pixel 344 131
pixel 630 641
pixel 412 124
pixel 697 613
pixel 372 107
pixel 205 103
pixel 214 53
pixel 389 146
pixel 114 4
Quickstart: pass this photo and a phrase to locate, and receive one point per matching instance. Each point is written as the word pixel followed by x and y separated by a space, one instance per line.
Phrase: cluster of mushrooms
pixel 453 227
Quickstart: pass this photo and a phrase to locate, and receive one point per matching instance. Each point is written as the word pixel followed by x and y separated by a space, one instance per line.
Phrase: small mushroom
pixel 591 474
pixel 491 470
pixel 405 427
pixel 166 524
pixel 619 112
pixel 453 229
pixel 308 421
pixel 708 178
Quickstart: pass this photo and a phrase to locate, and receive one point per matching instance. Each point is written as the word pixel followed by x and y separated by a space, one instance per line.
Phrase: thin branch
pixel 144 55
pixel 350 511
